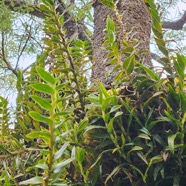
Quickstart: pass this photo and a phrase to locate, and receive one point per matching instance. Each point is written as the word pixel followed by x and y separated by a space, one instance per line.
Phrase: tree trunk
pixel 137 23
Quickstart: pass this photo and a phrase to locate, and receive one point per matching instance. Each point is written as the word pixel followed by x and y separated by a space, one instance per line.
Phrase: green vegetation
pixel 69 134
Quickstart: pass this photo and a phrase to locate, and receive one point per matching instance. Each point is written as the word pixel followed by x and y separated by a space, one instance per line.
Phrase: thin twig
pixel 3 56
pixel 23 48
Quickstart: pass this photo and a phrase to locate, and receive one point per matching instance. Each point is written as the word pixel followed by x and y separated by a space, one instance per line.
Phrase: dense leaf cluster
pixel 67 133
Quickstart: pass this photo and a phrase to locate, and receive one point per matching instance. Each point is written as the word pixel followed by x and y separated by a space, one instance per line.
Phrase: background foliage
pixel 69 134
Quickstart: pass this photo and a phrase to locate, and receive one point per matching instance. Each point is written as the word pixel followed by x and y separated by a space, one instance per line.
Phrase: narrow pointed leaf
pixel 128 64
pixel 61 165
pixel 42 166
pixel 110 126
pixel 103 90
pixel 135 148
pixel 144 136
pixel 34 181
pixel 80 155
pixel 149 71
pixel 60 152
pixel 38 117
pixel 39 134
pixel 46 76
pixel 4 150
pixel 171 142
pixel 43 103
pixel 142 156
pixel 113 173
pixel 43 88
pixel 118 114
pixel 114 108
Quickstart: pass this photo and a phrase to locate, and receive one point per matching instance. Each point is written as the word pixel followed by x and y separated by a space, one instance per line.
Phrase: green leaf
pixel 156 159
pixel 33 181
pixel 161 46
pixel 144 136
pixel 181 60
pixel 105 103
pixel 157 26
pixel 113 61
pixel 155 16
pixel 128 51
pixel 183 102
pixel 114 108
pixel 92 127
pixel 42 166
pixel 43 88
pixel 173 99
pixel 112 38
pixel 48 2
pixel 62 85
pixel 153 96
pixel 118 114
pixel 108 3
pixel 119 77
pixel 42 102
pixel 93 98
pixel 110 24
pixel 169 115
pixel 103 90
pixel 46 76
pixel 115 171
pixel 45 8
pixel 179 65
pixel 61 165
pixel 171 142
pixel 123 140
pixel 60 152
pixel 110 126
pixel 157 33
pixel 142 156
pixel 38 117
pixel 64 113
pixel 83 124
pixel 39 134
pixel 66 70
pixel 135 148
pixel 157 170
pixel 100 156
pixel 152 74
pixel 145 131
pixel 4 150
pixel 80 154
pixel 129 63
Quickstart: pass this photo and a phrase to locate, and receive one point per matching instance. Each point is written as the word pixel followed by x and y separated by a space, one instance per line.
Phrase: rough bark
pixel 137 23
